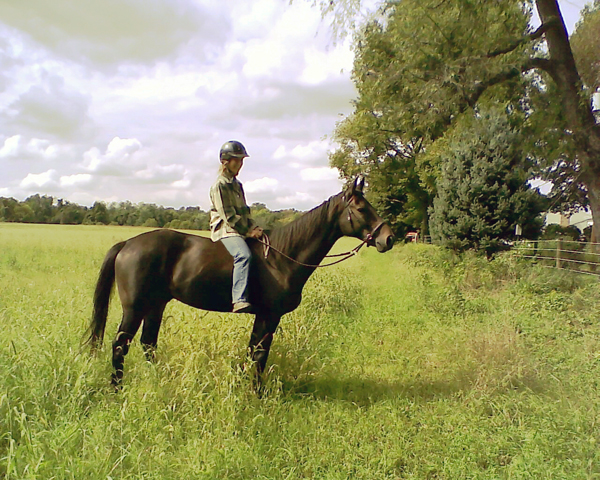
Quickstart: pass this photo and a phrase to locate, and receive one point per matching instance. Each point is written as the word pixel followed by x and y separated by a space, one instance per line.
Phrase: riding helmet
pixel 232 149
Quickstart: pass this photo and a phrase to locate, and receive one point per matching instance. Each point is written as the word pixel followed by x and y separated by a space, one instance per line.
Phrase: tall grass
pixel 413 364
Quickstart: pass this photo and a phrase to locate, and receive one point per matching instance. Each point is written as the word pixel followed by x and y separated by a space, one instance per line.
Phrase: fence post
pixel 594 248
pixel 558 249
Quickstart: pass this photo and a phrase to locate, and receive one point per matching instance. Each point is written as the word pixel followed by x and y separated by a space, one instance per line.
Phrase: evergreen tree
pixel 483 192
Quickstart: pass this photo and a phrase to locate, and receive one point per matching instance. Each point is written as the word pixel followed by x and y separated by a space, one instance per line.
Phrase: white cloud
pixel 122 148
pixel 162 174
pixel 76 180
pixel 109 32
pixel 17 147
pixel 268 54
pixel 294 102
pixel 321 65
pixel 120 158
pixel 77 76
pixel 182 184
pixel 48 179
pixel 290 201
pixel 263 59
pixel 319 173
pixel 305 154
pixel 11 147
pixel 261 185
pixel 51 107
pixel 255 18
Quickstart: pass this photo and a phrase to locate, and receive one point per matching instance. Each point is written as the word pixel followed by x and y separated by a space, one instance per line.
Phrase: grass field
pixel 409 364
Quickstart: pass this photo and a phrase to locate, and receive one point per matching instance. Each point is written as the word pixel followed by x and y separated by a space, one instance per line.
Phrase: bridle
pixel 369 236
pixel 345 255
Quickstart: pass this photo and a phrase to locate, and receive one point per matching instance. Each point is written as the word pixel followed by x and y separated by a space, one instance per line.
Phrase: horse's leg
pixel 150 329
pixel 260 341
pixel 129 326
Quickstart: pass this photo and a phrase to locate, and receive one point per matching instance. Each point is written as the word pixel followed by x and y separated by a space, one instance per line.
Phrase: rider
pixel 230 220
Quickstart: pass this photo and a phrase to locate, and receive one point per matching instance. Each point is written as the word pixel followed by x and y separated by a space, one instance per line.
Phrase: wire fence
pixel 581 257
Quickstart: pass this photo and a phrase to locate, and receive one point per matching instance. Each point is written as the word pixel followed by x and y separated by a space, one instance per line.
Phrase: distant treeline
pixel 47 209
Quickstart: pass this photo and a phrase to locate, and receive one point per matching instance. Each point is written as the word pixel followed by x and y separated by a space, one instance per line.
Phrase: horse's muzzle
pixel 385 239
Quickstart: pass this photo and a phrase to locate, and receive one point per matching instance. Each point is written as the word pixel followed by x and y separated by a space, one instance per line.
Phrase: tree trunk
pixel 577 110
pixel 594 198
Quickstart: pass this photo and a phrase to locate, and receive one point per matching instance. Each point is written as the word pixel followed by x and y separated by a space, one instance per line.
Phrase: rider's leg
pixel 238 248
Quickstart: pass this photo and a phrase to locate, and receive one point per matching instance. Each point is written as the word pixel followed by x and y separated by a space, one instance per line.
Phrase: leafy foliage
pixel 554 230
pixel 416 71
pixel 585 43
pixel 483 192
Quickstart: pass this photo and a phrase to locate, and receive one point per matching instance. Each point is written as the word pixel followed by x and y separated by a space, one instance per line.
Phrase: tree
pixel 464 80
pixel 554 231
pixel 575 104
pixel 98 214
pixel 69 213
pixel 483 192
pixel 413 72
pixel 23 213
pixel 7 209
pixel 146 212
pixel 41 207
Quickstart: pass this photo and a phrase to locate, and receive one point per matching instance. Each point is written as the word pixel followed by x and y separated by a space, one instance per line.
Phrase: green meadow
pixel 412 364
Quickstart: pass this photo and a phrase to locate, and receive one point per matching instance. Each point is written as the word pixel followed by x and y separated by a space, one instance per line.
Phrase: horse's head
pixel 359 219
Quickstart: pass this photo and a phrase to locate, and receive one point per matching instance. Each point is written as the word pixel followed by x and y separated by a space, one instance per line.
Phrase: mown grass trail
pixel 403 365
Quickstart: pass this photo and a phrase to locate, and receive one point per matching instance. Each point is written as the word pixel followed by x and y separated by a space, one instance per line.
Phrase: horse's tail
pixel 106 280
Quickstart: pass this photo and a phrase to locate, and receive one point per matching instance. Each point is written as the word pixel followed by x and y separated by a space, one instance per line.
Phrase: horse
pixel 156 267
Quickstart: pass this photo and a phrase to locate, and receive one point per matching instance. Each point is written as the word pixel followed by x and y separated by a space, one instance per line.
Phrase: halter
pixel 369 235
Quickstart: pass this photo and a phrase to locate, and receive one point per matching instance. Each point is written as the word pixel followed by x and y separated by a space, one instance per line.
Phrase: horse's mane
pixel 302 229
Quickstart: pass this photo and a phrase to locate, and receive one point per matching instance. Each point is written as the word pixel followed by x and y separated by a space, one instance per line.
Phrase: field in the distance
pixel 402 365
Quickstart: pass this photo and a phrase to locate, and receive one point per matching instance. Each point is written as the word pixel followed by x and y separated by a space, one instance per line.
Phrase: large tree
pixel 575 105
pixel 543 57
pixel 412 70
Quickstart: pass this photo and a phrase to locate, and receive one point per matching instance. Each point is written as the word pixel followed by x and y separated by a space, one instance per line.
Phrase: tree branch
pixel 532 63
pixel 545 64
pixel 528 38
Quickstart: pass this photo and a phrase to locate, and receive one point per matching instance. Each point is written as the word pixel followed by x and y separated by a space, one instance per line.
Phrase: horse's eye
pixel 362 210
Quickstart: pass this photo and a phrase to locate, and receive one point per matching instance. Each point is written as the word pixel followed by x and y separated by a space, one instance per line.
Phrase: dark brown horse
pixel 156 267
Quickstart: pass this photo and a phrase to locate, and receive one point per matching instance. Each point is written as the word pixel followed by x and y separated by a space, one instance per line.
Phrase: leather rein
pixel 345 255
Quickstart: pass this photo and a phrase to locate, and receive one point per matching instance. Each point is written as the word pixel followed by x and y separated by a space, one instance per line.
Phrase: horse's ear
pixel 360 184
pixel 357 187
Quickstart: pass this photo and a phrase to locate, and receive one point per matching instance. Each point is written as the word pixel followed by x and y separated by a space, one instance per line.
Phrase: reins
pixel 346 255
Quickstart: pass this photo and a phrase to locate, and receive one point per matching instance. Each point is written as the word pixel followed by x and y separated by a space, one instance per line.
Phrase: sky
pixel 114 100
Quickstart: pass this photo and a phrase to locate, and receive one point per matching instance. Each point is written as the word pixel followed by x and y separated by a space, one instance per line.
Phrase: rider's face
pixel 234 165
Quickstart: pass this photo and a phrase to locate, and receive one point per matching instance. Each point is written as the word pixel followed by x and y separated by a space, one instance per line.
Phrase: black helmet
pixel 232 149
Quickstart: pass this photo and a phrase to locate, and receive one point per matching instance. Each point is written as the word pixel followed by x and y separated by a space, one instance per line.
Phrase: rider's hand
pixel 256 232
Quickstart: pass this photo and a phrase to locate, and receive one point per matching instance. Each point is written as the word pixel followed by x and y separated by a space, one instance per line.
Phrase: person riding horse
pixel 156 267
pixel 230 220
